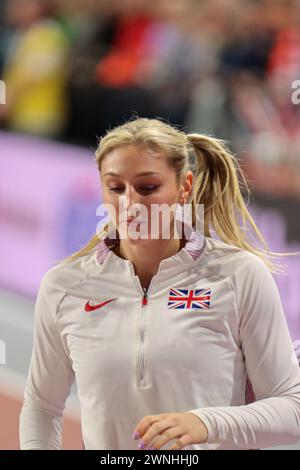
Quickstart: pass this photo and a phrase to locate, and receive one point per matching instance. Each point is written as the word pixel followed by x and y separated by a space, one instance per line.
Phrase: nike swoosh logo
pixel 90 308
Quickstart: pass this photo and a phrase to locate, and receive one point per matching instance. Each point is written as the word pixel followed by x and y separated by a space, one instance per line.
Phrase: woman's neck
pixel 146 257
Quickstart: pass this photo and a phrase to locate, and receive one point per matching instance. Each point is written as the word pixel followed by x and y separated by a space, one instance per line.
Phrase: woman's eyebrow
pixel 144 173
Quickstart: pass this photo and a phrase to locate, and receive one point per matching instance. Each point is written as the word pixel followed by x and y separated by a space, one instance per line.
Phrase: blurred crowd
pixel 75 68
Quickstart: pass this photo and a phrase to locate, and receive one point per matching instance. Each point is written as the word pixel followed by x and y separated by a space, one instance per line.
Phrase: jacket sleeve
pixel 271 365
pixel 50 375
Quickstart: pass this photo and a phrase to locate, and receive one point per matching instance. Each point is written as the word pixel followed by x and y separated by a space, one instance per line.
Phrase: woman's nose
pixel 131 201
pixel 133 197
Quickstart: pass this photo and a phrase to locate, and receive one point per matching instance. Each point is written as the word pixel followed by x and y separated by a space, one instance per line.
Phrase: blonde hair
pixel 217 181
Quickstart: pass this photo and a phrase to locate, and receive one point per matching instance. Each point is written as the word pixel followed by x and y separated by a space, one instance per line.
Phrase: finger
pixel 171 433
pixel 145 423
pixel 156 428
pixel 181 442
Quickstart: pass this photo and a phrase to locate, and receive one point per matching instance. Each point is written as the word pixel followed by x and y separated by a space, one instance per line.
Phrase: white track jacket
pixel 209 337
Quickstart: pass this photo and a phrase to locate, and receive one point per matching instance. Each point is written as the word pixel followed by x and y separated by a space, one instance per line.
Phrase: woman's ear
pixel 187 186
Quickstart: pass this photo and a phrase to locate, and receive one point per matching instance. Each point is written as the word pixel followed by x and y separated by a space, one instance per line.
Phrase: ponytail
pixel 217 185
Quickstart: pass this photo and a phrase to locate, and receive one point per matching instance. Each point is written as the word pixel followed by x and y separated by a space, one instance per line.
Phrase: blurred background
pixel 72 70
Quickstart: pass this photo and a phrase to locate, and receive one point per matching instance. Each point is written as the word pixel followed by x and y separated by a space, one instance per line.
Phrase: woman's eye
pixel 143 189
pixel 149 188
pixel 116 189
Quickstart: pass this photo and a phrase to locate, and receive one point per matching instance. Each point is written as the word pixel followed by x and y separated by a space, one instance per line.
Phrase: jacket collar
pixel 191 252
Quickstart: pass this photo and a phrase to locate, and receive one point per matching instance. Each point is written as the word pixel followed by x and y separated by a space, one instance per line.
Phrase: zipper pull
pixel 145 297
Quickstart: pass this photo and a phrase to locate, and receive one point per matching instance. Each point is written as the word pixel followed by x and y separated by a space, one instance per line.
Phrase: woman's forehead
pixel 131 158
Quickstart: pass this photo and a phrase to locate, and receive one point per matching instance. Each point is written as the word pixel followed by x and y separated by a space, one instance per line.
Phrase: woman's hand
pixel 156 430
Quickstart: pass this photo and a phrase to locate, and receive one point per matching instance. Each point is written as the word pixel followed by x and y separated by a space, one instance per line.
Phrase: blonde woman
pixel 174 343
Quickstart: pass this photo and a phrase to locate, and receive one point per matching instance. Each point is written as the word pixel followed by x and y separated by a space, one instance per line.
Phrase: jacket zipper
pixel 145 297
pixel 141 354
pixel 144 306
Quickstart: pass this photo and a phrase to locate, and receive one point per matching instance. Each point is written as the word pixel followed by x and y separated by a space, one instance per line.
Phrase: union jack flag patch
pixel 189 298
